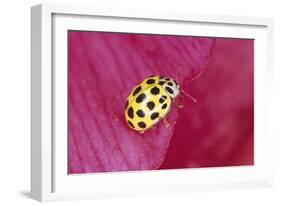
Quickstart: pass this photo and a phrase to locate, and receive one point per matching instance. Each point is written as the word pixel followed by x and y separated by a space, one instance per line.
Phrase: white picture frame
pixel 49 179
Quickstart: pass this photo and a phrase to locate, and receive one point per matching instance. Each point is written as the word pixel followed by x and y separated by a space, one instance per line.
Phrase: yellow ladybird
pixel 150 101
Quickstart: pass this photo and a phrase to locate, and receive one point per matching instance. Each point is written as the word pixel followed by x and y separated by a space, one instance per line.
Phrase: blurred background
pixel 218 130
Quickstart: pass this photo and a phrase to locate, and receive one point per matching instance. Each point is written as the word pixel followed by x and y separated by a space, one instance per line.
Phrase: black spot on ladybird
pixel 130 112
pixel 164 106
pixel 150 105
pixel 170 83
pixel 150 81
pixel 161 100
pixel 137 90
pixel 155 91
pixel 140 113
pixel 167 79
pixel 165 97
pixel 140 98
pixel 131 124
pixel 154 115
pixel 169 90
pixel 142 125
pixel 161 83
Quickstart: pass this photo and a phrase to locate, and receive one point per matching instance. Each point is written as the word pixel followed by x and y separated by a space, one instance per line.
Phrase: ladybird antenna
pixel 189 96
pixel 194 78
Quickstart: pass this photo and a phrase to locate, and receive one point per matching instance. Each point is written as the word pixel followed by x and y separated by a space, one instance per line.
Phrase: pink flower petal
pixel 103 68
pixel 218 130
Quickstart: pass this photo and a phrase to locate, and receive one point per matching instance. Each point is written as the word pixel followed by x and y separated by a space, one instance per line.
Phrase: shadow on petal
pixel 219 129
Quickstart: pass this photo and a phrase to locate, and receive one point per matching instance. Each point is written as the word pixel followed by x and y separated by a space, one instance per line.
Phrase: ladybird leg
pixel 189 96
pixel 179 102
pixel 166 123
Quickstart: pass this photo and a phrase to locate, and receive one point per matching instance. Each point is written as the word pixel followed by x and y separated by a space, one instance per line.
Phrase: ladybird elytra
pixel 150 101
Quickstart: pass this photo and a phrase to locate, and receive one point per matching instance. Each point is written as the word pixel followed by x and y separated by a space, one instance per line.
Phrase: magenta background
pixel 217 131
pixel 219 128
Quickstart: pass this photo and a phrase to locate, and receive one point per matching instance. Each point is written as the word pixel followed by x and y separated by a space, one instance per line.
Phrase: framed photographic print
pixel 137 102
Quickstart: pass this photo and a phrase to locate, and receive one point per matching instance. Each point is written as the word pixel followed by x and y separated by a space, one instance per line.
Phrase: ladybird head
pixel 171 87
